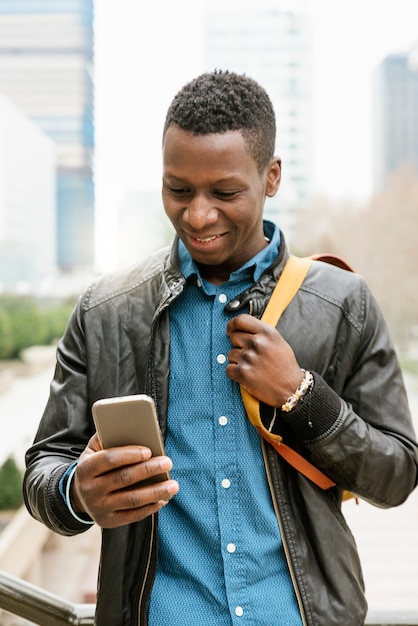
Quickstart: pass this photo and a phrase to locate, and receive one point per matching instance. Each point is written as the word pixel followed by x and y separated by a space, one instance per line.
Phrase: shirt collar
pixel 255 266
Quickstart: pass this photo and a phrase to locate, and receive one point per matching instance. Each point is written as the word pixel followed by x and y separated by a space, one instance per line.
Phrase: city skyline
pixel 46 71
pixel 142 60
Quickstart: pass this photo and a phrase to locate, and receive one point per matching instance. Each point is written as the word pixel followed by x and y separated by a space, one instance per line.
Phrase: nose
pixel 200 213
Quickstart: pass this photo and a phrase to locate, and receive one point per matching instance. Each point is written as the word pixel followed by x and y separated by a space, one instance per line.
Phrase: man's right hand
pixel 105 484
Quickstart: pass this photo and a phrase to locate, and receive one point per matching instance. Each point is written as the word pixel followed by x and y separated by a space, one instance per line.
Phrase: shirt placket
pixel 226 473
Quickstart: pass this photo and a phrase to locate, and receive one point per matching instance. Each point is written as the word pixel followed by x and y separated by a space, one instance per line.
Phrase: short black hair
pixel 221 101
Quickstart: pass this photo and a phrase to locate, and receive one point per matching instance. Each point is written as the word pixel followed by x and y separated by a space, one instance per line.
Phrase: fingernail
pixel 165 463
pixel 172 487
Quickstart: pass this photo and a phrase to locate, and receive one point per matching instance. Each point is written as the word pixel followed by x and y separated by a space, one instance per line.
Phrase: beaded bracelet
pixel 303 389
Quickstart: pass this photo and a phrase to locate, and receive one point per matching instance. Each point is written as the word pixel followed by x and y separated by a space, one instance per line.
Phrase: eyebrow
pixel 216 182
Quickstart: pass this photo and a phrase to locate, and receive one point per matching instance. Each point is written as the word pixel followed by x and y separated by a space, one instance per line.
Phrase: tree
pixel 28 327
pixel 25 322
pixel 11 497
pixel 379 240
pixel 7 344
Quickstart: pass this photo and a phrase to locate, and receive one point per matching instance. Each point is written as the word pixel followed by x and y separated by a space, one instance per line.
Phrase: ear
pixel 274 174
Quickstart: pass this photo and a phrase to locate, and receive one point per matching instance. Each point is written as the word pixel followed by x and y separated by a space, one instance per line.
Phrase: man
pixel 237 535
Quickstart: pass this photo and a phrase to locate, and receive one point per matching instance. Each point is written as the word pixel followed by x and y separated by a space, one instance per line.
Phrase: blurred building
pixel 142 228
pixel 46 70
pixel 27 202
pixel 270 41
pixel 395 141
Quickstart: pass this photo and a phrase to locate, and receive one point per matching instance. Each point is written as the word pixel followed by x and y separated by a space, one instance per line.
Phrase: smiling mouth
pixel 206 239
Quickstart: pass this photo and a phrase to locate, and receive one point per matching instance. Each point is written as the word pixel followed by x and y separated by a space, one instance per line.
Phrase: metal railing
pixel 392 618
pixel 46 609
pixel 39 606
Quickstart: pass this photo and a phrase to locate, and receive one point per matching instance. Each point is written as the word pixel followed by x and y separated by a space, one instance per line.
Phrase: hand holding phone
pixel 130 420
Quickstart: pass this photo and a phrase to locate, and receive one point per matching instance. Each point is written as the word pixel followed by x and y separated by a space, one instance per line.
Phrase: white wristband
pixel 68 499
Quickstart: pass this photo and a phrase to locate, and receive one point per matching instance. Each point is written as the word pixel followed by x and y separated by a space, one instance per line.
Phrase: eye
pixel 179 191
pixel 225 195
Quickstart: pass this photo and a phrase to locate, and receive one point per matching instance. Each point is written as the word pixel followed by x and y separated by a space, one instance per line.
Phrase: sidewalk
pixel 387 540
pixel 24 391
pixel 22 399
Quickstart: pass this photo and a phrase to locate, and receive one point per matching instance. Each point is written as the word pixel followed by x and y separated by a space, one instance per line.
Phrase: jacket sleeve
pixel 357 427
pixel 64 430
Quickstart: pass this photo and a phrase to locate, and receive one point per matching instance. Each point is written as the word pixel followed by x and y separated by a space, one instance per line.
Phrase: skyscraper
pixel 46 70
pixel 395 115
pixel 269 40
pixel 27 202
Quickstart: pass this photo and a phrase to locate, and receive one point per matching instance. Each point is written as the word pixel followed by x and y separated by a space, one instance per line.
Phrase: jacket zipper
pixel 147 568
pixel 162 305
pixel 284 541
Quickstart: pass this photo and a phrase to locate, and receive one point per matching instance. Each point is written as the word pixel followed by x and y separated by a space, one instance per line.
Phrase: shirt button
pixel 222 298
pixel 226 483
pixel 221 358
pixel 223 420
pixel 198 283
pixel 231 547
pixel 239 611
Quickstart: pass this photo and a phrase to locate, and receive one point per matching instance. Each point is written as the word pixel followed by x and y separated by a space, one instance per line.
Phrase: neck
pixel 214 274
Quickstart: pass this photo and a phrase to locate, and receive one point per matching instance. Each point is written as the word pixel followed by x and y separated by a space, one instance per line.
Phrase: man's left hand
pixel 261 360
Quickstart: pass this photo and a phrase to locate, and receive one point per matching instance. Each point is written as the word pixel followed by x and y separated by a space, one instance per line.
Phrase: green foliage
pixel 11 497
pixel 55 320
pixel 24 323
pixel 6 335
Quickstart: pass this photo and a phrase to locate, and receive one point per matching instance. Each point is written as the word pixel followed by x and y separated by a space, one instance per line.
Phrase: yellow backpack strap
pixel 287 286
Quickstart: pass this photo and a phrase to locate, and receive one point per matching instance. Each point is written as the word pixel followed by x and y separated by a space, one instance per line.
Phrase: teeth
pixel 207 239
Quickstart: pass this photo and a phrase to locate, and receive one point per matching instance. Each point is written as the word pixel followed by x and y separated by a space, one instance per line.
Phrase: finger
pixel 92 465
pixel 248 346
pixel 95 443
pixel 129 475
pixel 233 373
pixel 132 505
pixel 244 323
pixel 242 332
pixel 140 496
pixel 234 356
pixel 128 516
pixel 239 373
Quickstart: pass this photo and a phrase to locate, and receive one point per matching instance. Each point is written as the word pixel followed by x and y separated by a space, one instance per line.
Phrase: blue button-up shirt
pixel 221 558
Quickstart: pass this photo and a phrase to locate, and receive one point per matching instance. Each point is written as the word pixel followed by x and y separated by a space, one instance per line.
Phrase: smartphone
pixel 130 420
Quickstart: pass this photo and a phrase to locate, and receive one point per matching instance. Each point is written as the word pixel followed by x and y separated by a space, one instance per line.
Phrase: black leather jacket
pixel 117 343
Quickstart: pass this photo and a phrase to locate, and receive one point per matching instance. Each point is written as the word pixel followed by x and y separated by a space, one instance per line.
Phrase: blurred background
pixel 84 87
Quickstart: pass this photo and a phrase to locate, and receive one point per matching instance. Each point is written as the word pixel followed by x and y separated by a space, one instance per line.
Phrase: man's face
pixel 214 196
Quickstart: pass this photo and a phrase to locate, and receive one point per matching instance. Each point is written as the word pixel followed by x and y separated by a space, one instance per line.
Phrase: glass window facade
pixel 396 118
pixel 46 70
